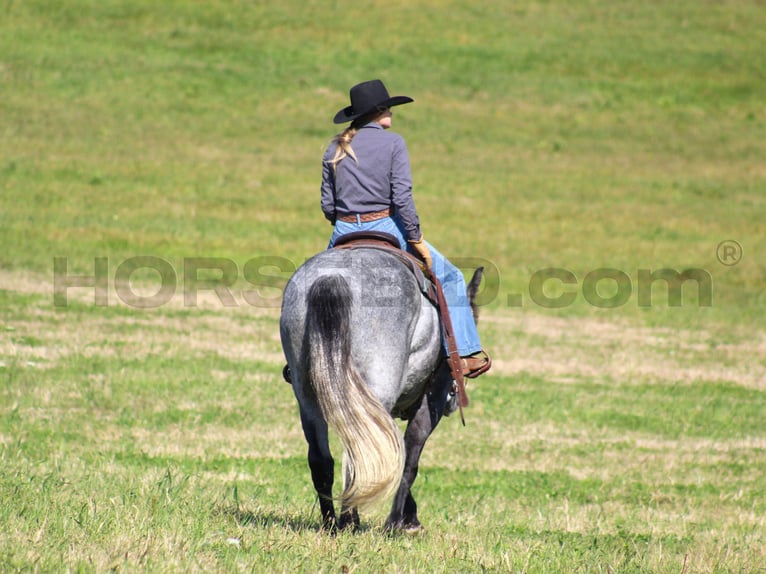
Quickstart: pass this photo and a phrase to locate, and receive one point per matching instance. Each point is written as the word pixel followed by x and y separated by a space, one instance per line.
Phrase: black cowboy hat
pixel 366 98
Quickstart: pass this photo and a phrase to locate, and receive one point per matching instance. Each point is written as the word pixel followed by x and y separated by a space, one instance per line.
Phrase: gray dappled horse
pixel 363 345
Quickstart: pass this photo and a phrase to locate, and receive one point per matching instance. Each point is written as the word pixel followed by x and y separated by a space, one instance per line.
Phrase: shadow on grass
pixel 262 518
pixel 270 519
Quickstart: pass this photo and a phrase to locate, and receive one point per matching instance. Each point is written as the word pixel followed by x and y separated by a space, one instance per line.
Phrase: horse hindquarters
pixel 373 455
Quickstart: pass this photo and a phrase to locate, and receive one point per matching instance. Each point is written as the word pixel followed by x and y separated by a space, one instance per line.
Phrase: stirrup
pixel 482 368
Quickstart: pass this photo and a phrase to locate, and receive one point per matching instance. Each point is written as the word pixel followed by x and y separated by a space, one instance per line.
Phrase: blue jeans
pixel 453 283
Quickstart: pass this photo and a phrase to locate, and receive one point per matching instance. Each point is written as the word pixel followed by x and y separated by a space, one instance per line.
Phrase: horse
pixel 363 347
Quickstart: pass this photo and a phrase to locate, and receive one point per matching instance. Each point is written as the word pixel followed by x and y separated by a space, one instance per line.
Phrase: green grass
pixel 166 440
pixel 577 136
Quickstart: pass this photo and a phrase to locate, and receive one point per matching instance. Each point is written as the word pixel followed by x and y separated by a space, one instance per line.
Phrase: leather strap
pixel 453 356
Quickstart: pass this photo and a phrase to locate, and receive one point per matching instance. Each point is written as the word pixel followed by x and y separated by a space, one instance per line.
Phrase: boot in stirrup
pixel 476 364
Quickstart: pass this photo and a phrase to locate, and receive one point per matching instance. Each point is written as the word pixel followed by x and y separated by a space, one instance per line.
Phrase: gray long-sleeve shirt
pixel 381 180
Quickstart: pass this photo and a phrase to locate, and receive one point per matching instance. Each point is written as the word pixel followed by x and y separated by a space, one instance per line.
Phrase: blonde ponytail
pixel 343 139
pixel 343 149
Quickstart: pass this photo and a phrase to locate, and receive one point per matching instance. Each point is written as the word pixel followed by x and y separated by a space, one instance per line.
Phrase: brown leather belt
pixel 365 217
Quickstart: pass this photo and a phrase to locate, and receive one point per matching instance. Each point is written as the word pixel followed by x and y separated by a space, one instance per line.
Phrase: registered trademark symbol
pixel 729 252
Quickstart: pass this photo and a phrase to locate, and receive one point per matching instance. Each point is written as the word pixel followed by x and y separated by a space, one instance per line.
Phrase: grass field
pixel 611 436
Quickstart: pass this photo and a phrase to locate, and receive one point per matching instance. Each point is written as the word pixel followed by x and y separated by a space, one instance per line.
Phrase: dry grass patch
pixel 565 348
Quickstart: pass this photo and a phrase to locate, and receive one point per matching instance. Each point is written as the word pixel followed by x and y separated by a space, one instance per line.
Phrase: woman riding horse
pixel 368 187
pixel 363 343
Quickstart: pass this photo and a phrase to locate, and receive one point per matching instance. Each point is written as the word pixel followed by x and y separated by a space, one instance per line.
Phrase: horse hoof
pixel 414 529
pixel 330 529
pixel 409 529
pixel 348 526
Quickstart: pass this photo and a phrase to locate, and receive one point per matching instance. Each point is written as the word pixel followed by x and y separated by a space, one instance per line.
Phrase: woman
pixel 368 186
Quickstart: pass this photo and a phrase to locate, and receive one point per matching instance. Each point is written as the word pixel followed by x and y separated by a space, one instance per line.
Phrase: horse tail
pixel 373 447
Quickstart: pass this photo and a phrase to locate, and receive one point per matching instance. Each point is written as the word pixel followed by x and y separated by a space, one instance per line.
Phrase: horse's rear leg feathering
pixel 373 457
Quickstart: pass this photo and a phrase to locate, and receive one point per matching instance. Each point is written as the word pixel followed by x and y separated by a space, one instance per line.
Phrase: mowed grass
pixel 574 136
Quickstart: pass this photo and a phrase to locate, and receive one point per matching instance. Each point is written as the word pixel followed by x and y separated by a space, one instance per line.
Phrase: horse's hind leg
pixel 349 518
pixel 322 466
pixel 404 512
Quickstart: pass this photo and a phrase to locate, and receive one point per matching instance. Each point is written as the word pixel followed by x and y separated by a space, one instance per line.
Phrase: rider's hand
pixel 422 249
